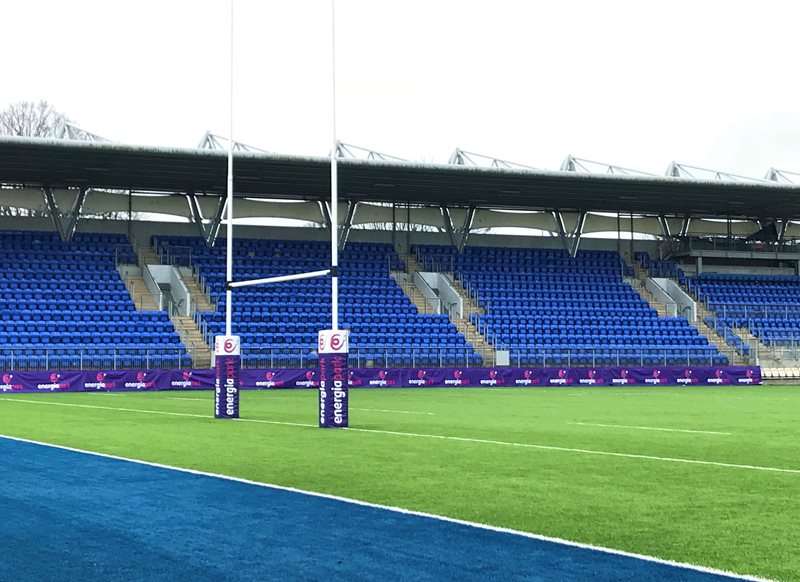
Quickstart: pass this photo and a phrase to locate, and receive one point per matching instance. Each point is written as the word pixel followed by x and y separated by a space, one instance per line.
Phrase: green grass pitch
pixel 529 459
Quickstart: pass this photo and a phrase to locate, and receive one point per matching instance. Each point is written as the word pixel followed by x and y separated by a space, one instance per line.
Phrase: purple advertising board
pixel 205 379
pixel 226 376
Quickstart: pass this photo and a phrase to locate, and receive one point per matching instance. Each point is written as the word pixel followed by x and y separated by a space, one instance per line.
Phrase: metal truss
pixel 212 141
pixel 782 176
pixel 463 158
pixel 573 164
pixel 346 150
pixel 71 131
pixel 677 170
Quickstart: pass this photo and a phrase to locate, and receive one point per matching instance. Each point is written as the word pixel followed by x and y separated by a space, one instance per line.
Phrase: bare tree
pixel 30 119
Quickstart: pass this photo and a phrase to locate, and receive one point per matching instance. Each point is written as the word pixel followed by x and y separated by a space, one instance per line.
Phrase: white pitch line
pixel 194 399
pixel 651 428
pixel 402 511
pixel 394 411
pixel 437 437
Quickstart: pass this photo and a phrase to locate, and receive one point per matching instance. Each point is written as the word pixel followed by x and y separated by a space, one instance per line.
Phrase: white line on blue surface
pixel 403 511
pixel 435 436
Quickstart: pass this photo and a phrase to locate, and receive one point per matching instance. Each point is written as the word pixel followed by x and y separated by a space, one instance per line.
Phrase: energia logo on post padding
pixel 333 342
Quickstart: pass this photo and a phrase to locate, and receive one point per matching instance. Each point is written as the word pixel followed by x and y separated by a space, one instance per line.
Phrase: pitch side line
pixel 433 436
pixel 403 511
pixel 651 428
pixel 393 411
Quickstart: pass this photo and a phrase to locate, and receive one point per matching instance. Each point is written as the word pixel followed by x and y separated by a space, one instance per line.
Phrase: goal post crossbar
pixel 279 279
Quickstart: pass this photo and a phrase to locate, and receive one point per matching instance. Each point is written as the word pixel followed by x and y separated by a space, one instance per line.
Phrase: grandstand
pixel 65 306
pixel 604 282
pixel 547 308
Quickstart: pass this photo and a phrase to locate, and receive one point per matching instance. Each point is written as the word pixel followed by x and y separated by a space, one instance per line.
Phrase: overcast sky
pixel 635 83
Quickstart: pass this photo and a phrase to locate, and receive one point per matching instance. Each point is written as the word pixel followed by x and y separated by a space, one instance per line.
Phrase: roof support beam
pixel 465 231
pixel 75 213
pixel 209 233
pixel 562 232
pixel 576 235
pixel 216 222
pixel 55 216
pixel 195 214
pixel 685 225
pixel 326 214
pixel 348 223
pixel 662 220
pixel 666 232
pixel 448 225
pixel 782 230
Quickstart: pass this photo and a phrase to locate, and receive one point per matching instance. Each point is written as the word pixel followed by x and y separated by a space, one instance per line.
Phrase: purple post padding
pixel 333 378
pixel 205 379
pixel 227 365
pixel 226 386
pixel 333 392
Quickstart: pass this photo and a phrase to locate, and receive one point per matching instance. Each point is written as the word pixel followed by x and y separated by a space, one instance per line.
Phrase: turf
pixel 740 519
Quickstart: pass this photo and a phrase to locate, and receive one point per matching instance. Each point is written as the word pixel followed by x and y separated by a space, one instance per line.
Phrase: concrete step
pixel 464 326
pixel 147 256
pixel 193 338
pixel 140 294
pixel 411 291
pixel 713 337
pixel 201 301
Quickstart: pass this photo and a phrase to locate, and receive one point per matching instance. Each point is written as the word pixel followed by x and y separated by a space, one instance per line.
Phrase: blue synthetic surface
pixel 70 516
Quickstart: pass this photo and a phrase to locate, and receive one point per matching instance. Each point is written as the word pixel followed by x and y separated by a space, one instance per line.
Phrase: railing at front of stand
pixel 723 243
pixel 124 255
pixel 582 356
pixel 748 311
pixel 176 256
pixel 366 357
pixel 94 358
